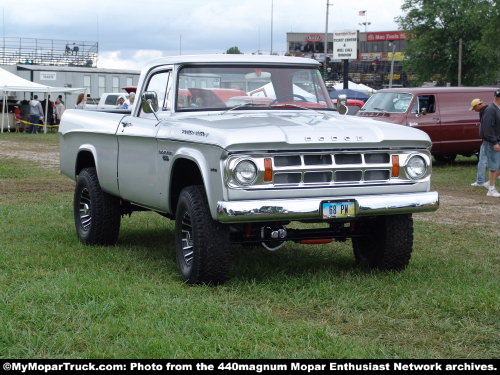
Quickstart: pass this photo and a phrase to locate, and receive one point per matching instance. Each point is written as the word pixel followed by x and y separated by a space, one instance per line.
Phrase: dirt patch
pixel 46 155
pixel 34 185
pixel 461 208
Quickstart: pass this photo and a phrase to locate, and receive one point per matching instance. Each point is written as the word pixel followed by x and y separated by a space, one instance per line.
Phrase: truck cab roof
pixel 231 59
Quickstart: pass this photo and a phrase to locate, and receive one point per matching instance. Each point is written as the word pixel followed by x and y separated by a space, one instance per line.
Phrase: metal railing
pixel 48 52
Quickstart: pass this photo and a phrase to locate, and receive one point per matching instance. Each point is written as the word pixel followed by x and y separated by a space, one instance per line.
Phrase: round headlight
pixel 416 167
pixel 245 172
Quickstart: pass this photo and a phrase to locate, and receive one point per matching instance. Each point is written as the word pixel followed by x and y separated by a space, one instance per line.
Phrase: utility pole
pixel 460 62
pixel 326 39
pixel 392 63
pixel 272 17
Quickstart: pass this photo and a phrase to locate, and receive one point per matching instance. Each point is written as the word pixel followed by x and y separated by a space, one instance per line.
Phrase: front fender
pixel 207 158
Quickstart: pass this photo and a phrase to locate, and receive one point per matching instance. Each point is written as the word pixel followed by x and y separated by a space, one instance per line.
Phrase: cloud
pixel 130 31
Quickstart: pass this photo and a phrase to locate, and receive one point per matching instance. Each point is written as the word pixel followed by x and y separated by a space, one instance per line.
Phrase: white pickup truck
pixel 234 148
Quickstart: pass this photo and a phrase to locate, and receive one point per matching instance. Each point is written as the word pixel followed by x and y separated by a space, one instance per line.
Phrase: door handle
pixel 126 124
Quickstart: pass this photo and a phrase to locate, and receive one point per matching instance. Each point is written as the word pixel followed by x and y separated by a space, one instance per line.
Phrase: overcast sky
pixel 131 32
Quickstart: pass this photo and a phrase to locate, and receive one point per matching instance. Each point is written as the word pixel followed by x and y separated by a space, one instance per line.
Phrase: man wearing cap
pixel 478 106
pixel 490 132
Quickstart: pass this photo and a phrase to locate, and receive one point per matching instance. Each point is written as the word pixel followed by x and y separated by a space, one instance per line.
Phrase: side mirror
pixel 342 104
pixel 149 102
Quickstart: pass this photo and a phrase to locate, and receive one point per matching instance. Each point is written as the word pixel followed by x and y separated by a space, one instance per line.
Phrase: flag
pixel 362 13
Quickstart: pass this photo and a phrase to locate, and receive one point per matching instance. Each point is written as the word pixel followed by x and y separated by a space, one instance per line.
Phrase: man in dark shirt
pixel 477 105
pixel 490 132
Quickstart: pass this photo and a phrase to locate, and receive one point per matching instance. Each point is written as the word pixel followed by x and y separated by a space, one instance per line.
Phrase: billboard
pixel 345 45
pixel 386 35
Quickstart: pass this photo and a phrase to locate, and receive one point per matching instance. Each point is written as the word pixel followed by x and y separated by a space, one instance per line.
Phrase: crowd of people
pixel 31 114
pixel 489 153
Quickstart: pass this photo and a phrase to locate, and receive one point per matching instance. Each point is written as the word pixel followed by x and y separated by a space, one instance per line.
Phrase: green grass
pixel 60 298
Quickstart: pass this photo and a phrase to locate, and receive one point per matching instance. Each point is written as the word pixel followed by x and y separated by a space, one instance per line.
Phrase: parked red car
pixel 442 112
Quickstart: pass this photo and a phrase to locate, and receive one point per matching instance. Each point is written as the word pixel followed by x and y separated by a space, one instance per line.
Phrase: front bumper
pixel 310 208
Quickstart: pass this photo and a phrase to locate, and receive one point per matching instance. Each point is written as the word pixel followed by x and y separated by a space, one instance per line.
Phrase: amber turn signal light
pixel 268 169
pixel 395 166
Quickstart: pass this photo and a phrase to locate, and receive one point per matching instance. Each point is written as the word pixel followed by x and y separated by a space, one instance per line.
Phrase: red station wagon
pixel 442 112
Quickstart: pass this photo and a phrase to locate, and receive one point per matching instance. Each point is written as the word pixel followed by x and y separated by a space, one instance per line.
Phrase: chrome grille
pixel 327 169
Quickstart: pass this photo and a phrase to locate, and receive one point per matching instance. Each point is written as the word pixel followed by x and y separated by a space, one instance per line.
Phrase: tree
pixel 234 51
pixel 434 28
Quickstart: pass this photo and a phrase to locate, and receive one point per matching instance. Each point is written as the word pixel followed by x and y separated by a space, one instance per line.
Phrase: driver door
pixel 428 122
pixel 138 163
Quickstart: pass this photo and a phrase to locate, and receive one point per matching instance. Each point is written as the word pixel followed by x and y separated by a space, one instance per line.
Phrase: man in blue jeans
pixel 490 132
pixel 36 115
pixel 478 106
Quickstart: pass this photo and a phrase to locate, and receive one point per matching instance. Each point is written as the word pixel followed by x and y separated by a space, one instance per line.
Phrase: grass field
pixel 60 298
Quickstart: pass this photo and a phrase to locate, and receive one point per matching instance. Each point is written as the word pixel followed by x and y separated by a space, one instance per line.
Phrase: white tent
pixel 10 82
pixel 355 86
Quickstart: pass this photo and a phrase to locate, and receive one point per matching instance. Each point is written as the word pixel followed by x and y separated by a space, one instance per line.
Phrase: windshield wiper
pixel 296 106
pixel 240 106
pixel 380 109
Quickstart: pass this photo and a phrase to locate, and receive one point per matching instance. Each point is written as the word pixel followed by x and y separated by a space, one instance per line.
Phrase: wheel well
pixel 185 173
pixel 85 159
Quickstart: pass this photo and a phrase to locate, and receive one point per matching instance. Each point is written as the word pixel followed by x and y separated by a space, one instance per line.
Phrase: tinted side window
pixel 428 102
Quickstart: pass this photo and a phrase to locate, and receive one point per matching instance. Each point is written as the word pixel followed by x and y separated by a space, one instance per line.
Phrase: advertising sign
pixel 345 45
pixel 314 38
pixel 387 35
pixel 48 76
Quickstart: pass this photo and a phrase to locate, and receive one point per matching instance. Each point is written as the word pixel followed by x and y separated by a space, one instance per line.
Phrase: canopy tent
pixel 355 86
pixel 9 82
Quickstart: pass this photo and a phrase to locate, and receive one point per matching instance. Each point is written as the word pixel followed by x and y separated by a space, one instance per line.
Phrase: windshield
pixel 232 87
pixel 390 102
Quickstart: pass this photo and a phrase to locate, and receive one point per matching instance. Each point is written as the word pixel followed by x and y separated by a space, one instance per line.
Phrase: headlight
pixel 245 172
pixel 416 167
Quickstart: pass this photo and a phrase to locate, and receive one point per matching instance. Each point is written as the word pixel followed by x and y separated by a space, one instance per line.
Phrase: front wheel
pixel 202 244
pixel 386 244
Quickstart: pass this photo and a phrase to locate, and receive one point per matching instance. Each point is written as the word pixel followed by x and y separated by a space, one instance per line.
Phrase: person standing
pixel 25 115
pixel 478 106
pixel 36 115
pixel 60 108
pixel 50 110
pixel 490 132
pixel 80 101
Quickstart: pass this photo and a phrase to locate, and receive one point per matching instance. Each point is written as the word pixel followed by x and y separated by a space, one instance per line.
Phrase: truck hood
pixel 264 130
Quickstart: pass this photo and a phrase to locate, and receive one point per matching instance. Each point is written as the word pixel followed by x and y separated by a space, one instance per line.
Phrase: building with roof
pixel 376 50
pixel 62 63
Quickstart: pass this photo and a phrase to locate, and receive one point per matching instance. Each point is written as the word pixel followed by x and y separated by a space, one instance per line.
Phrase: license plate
pixel 335 210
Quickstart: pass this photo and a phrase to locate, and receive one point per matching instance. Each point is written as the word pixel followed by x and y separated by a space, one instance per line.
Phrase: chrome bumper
pixel 310 208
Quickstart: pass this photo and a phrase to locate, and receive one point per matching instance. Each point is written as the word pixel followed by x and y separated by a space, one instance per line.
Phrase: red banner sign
pixel 386 35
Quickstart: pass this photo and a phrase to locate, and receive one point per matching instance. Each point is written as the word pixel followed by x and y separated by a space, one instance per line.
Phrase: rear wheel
pixel 387 244
pixel 445 158
pixel 202 244
pixel 97 213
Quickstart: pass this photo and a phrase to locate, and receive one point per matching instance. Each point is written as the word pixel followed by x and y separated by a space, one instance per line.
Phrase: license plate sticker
pixel 334 210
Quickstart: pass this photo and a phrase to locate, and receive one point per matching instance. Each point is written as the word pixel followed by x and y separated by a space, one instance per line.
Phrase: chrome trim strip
pixel 309 208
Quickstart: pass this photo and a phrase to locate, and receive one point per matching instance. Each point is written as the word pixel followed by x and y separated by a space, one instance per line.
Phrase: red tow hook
pixel 318 241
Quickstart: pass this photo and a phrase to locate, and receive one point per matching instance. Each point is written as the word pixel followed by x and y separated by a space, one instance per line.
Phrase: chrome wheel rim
pixel 187 240
pixel 84 210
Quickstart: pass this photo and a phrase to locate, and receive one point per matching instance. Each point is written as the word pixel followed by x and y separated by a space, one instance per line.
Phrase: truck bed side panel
pixel 94 132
